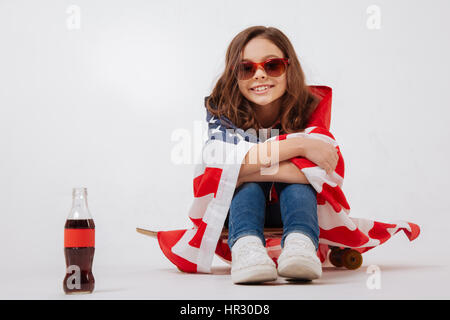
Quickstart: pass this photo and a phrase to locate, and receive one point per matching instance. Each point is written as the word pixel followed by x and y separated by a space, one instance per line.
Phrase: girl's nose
pixel 260 73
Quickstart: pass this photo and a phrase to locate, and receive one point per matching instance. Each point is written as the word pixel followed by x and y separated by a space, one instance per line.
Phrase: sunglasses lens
pixel 275 68
pixel 245 70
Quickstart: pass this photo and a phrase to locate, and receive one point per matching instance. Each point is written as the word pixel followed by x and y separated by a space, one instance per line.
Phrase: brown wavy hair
pixel 226 99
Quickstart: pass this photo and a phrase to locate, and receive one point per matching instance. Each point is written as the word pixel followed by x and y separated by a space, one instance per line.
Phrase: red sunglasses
pixel 273 67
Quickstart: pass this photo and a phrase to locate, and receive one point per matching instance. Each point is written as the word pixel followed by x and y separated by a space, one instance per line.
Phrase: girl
pixel 263 87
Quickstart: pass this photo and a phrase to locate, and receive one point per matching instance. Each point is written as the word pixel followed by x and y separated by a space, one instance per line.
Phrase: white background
pixel 96 106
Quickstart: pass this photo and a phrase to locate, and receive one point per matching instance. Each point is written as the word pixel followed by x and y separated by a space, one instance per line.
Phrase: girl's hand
pixel 322 154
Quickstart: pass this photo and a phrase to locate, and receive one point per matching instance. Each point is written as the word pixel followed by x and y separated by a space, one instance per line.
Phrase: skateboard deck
pixel 339 257
pixel 268 232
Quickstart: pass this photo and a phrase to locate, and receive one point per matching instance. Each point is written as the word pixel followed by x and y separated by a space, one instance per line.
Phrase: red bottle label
pixel 76 238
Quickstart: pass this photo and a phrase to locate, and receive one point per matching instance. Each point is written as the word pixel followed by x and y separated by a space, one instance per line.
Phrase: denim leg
pixel 298 205
pixel 247 211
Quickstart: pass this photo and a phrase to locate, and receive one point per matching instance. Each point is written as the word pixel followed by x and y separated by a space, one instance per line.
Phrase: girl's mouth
pixel 261 89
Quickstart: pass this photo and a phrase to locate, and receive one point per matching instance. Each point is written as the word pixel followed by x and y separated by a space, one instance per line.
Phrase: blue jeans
pixel 297 206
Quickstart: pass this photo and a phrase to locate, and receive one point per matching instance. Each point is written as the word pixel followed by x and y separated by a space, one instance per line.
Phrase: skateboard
pixel 268 232
pixel 345 257
pixel 339 257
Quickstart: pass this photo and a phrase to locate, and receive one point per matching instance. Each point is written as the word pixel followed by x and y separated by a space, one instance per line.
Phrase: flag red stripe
pixel 166 240
pixel 345 236
pixel 208 182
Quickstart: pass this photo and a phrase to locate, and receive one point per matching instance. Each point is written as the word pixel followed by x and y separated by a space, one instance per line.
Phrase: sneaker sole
pixel 255 274
pixel 299 268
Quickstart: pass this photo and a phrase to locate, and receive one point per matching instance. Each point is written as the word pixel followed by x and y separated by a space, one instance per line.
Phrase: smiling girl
pixel 263 87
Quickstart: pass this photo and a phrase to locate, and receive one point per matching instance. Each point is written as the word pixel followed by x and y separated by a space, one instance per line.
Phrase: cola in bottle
pixel 79 245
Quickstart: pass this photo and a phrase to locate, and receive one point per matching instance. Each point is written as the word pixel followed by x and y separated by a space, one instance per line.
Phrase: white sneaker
pixel 299 260
pixel 250 262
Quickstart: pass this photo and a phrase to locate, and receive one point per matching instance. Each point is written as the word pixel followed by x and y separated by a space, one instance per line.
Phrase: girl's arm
pixel 270 153
pixel 287 172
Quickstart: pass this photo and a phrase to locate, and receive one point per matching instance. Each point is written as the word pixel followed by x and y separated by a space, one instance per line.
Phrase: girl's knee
pixel 249 192
pixel 301 187
pixel 302 192
pixel 251 187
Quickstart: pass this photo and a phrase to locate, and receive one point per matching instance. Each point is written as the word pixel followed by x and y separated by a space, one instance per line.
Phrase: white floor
pixel 406 271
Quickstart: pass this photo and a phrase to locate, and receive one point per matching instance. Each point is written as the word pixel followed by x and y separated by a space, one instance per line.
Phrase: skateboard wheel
pixel 351 259
pixel 336 257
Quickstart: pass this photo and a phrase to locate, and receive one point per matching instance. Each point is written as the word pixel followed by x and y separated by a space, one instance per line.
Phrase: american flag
pixel 215 178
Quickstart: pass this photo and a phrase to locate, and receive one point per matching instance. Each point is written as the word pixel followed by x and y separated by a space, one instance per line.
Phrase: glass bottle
pixel 79 245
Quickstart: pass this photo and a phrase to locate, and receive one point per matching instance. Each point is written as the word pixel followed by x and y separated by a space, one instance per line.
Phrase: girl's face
pixel 259 50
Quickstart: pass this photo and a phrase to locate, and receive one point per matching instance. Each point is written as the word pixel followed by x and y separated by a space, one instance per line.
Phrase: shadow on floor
pixel 333 275
pixel 330 276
